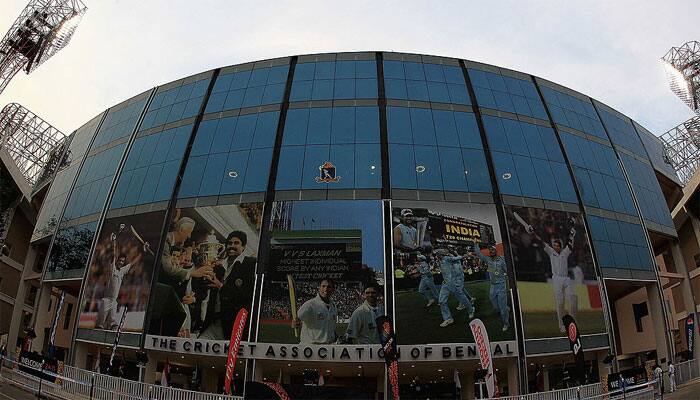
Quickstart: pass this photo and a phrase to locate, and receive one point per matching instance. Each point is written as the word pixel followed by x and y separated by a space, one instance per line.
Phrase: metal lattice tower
pixel 42 29
pixel 683 69
pixel 28 140
pixel 682 148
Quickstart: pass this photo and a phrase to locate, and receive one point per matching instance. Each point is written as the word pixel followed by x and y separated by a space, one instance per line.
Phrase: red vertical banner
pixel 234 345
pixel 388 341
pixel 483 345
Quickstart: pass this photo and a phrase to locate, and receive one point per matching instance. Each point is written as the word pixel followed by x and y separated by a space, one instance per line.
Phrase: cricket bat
pixel 528 227
pixel 146 245
pixel 293 301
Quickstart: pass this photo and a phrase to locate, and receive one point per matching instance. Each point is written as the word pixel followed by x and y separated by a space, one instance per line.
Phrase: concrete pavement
pixel 11 392
pixel 690 390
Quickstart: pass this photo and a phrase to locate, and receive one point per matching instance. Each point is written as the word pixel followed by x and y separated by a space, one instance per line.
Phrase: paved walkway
pixel 11 392
pixel 690 390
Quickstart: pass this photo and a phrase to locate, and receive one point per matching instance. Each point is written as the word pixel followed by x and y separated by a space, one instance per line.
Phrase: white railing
pixel 594 391
pixel 687 371
pixel 561 394
pixel 76 383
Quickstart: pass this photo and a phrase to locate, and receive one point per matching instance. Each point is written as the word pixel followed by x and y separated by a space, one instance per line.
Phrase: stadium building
pixel 319 192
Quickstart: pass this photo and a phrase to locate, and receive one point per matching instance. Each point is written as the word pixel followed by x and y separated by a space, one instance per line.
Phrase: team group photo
pixel 449 268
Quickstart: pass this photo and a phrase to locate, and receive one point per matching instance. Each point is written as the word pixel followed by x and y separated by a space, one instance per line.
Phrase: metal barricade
pixel 642 391
pixel 75 383
pixel 561 394
pixel 78 384
pixel 687 371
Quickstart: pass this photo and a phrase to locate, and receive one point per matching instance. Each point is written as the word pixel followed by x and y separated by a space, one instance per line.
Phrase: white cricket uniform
pixel 318 321
pixel 106 317
pixel 560 272
pixel 672 377
pixel 362 327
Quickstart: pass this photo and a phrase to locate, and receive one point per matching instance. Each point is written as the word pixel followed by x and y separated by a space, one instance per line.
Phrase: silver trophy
pixel 211 248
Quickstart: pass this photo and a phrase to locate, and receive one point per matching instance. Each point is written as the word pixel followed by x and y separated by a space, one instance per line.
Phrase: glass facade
pixel 347 137
pixel 620 130
pixel 652 203
pixel 655 150
pixel 120 121
pixel 405 127
pixel 619 244
pixel 334 80
pixel 151 168
pixel 106 151
pixel 598 174
pixel 409 80
pixel 230 155
pixel 433 149
pixel 70 250
pixel 176 101
pixel 527 160
pixel 55 199
pixel 640 173
pixel 248 87
pixel 572 111
pixel 507 93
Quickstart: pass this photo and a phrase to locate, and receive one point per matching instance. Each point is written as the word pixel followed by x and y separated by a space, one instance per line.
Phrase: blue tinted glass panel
pixel 334 80
pixel 425 82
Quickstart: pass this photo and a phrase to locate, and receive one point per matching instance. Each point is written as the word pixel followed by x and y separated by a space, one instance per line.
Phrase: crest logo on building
pixel 327 173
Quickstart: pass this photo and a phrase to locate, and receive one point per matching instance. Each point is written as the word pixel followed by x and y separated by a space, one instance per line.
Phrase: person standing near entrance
pixel 659 377
pixel 672 376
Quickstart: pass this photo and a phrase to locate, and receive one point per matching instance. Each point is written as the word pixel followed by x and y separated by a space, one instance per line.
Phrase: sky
pixel 365 215
pixel 609 50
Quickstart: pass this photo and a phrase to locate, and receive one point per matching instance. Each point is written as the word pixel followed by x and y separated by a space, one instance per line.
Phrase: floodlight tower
pixel 683 69
pixel 682 148
pixel 42 29
pixel 27 142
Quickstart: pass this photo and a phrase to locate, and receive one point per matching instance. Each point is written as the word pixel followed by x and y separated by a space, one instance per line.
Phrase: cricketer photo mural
pixel 555 272
pixel 449 269
pixel 206 273
pixel 324 283
pixel 120 272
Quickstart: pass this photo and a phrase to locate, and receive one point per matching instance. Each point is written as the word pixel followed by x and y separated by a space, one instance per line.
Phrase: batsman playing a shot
pixel 317 316
pixel 563 285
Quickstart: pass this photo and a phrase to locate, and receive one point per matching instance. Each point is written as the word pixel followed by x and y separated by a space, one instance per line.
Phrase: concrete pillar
pixel 657 316
pixel 380 384
pixel 545 378
pixel 17 310
pixel 210 380
pixel 42 318
pixel 512 376
pixel 686 289
pixel 81 354
pixel 468 384
pixel 258 372
pixel 602 367
pixel 149 373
